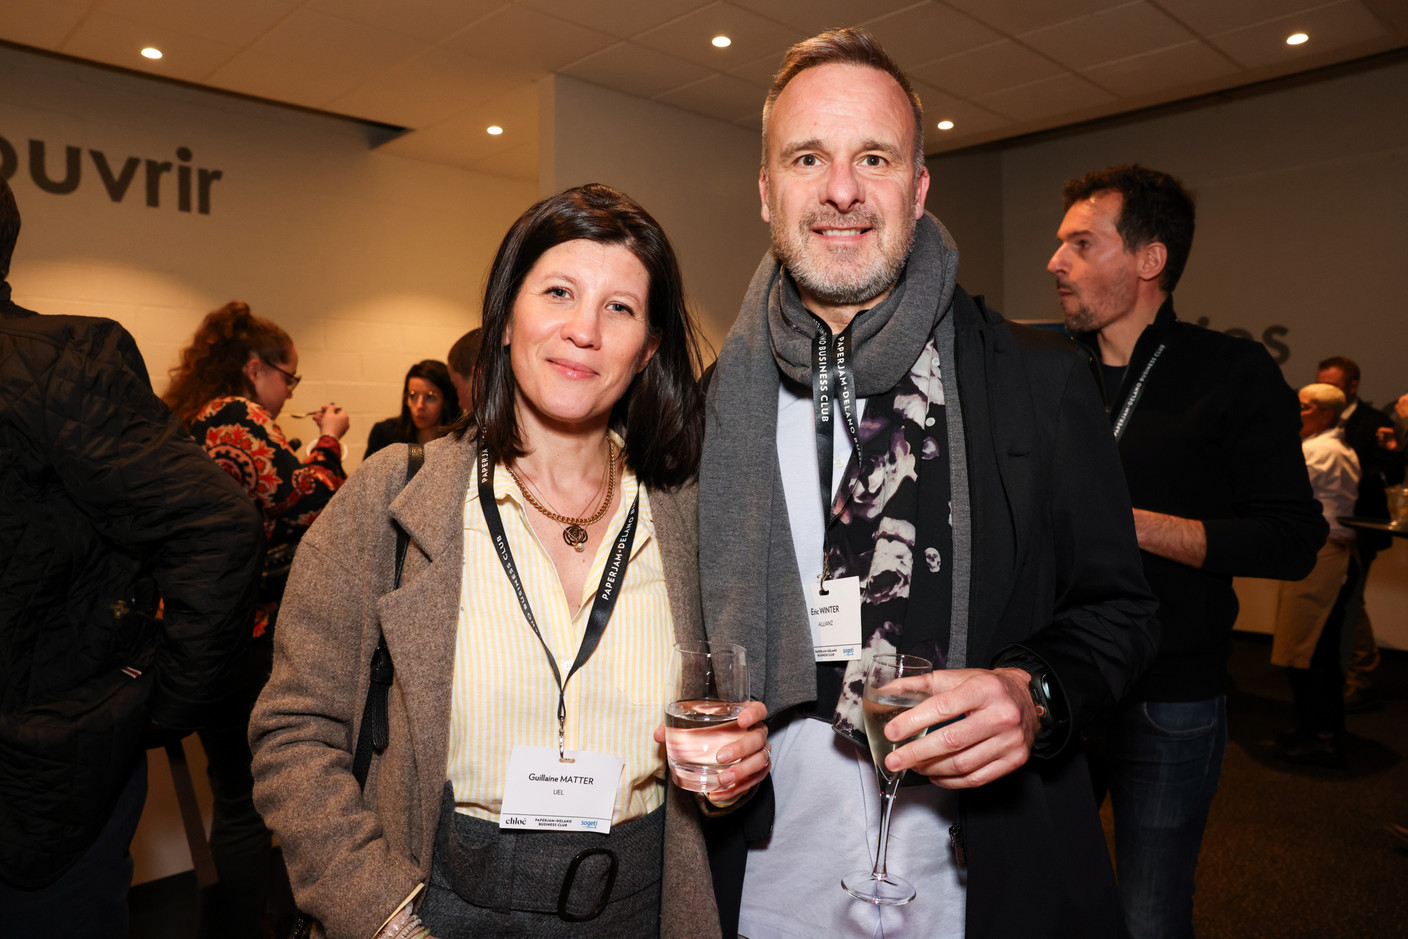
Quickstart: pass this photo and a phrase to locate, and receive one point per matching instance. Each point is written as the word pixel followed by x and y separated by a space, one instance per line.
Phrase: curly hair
pixel 212 366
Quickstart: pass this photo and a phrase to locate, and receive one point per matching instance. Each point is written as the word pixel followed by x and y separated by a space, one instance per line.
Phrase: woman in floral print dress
pixel 228 390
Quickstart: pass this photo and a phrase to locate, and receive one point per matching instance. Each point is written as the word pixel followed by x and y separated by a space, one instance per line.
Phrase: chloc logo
pixel 192 185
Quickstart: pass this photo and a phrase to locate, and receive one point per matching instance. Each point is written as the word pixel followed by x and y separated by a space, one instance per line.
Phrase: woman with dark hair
pixel 563 516
pixel 429 405
pixel 228 390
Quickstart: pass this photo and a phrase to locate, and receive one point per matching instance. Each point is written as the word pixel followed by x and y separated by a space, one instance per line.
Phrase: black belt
pixel 573 875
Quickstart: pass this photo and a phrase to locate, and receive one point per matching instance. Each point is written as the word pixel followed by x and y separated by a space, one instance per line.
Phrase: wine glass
pixel 882 704
pixel 711 690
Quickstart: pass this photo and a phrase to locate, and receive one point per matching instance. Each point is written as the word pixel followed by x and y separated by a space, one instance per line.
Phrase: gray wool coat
pixel 354 856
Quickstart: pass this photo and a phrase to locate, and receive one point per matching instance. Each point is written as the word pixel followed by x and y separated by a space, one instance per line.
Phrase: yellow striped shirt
pixel 504 694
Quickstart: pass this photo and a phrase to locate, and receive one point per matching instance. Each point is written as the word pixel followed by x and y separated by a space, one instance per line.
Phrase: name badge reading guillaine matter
pixel 544 794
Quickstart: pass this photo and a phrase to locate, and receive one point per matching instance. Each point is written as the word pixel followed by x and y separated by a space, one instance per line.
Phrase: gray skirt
pixel 487 881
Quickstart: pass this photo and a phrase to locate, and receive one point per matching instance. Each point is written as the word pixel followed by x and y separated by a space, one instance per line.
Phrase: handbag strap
pixel 375 733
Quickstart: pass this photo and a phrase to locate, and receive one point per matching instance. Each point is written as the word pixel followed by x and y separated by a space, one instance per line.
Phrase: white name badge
pixel 543 793
pixel 835 619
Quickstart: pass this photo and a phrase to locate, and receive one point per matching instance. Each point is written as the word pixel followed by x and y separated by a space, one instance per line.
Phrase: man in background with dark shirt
pixel 1208 431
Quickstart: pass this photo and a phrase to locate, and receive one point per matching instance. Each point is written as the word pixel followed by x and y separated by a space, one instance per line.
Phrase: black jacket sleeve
pixel 1277 526
pixel 150 490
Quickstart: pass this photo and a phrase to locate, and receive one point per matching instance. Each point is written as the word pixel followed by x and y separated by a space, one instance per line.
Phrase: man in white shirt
pixel 1310 612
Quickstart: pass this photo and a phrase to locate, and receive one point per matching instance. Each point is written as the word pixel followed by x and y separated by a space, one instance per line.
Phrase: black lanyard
pixel 833 379
pixel 607 591
pixel 1136 392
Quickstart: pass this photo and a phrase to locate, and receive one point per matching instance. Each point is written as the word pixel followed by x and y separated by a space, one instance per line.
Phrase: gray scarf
pixel 748 571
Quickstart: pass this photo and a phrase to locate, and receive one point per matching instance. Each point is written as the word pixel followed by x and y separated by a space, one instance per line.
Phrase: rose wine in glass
pixel 882 703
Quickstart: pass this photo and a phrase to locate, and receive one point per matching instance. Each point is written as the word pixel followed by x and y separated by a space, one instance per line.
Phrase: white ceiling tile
pixel 529 40
pixel 1045 99
pixel 430 20
pixel 514 163
pixel 1132 29
pixel 986 69
pixel 621 18
pixel 1167 69
pixel 220 20
pixel 722 96
pixel 459 141
pixel 927 32
pixel 688 37
pixel 813 16
pixel 1020 16
pixel 968 120
pixel 761 70
pixel 1339 24
pixel 1219 16
pixel 279 78
pixel 636 70
pixel 41 25
pixel 428 87
pixel 104 38
pixel 317 42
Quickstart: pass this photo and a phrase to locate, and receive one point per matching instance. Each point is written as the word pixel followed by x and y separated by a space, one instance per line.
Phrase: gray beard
pixel 846 288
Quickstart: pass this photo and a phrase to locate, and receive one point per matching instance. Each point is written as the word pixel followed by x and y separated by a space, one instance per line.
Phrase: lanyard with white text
pixel 607 591
pixel 832 379
pixel 1135 393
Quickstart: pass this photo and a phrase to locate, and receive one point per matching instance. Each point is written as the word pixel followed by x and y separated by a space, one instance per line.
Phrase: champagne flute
pixel 711 690
pixel 881 705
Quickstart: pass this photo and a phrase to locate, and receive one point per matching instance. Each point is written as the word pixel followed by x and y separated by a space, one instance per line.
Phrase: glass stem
pixel 882 845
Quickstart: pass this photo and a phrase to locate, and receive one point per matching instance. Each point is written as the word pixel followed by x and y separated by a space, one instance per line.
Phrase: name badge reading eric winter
pixel 834 617
pixel 544 793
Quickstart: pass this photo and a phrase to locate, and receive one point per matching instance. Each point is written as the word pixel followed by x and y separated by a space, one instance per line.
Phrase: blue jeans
pixel 1160 761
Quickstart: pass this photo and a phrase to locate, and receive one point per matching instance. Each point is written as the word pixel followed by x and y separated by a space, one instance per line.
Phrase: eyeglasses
pixel 415 397
pixel 291 379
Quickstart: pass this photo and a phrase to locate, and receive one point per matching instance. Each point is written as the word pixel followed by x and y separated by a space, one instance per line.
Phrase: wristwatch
pixel 1048 709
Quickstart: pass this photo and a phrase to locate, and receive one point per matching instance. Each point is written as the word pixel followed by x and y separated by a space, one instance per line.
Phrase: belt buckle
pixel 571 877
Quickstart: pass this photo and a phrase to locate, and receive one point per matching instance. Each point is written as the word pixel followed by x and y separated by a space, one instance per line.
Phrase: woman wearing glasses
pixel 429 406
pixel 233 380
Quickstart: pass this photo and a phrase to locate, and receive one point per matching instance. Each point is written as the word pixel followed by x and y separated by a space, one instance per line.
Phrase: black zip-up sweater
pixel 1215 436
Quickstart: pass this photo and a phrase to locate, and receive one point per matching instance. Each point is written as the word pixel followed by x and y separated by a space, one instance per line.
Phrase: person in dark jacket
pixel 430 404
pixel 1209 435
pixel 874 433
pixel 106 508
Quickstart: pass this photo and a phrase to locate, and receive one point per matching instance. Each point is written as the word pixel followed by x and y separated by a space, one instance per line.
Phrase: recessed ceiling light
pixel 945 125
pixel 495 130
pixel 722 42
pixel 1296 39
pixel 151 52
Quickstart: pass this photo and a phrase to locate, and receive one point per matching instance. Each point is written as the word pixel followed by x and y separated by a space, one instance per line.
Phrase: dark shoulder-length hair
pixel 212 366
pixel 435 372
pixel 660 416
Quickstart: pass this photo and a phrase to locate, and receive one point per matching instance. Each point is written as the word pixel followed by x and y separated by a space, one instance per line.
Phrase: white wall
pixel 697 176
pixel 370 262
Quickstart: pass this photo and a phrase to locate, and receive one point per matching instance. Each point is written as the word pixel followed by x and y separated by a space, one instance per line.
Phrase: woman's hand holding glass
pixel 748 757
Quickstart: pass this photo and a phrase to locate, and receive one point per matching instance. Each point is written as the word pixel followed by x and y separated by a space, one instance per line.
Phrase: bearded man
pixel 882 447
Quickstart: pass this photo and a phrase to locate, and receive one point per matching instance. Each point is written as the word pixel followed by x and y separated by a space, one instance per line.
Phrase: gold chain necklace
pixel 575 532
